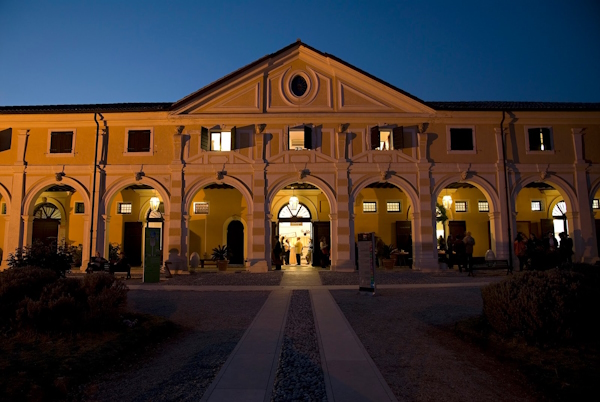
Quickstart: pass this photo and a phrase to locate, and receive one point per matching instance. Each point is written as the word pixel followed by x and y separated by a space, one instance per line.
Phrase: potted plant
pixel 219 255
pixel 389 254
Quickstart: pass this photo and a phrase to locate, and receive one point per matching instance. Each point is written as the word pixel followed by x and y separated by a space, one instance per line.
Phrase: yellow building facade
pixel 359 154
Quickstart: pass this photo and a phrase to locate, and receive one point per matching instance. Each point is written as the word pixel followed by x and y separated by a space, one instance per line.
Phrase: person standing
pixel 449 248
pixel 469 243
pixel 277 255
pixel 566 248
pixel 309 253
pixel 459 249
pixel 286 250
pixel 298 248
pixel 324 252
pixel 520 248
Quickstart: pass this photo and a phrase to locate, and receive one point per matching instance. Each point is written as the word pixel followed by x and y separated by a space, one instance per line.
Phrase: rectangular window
pixel 124 208
pixel 540 138
pixel 369 206
pixel 61 142
pixel 536 205
pixel 300 138
pixel 483 206
pixel 461 139
pixel 460 206
pixel 596 203
pixel 385 139
pixel 139 141
pixel 393 206
pixel 3 209
pixel 220 141
pixel 79 208
pixel 201 208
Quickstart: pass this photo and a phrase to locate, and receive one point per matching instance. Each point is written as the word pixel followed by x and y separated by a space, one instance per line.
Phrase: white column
pixel 27 229
pixel 85 251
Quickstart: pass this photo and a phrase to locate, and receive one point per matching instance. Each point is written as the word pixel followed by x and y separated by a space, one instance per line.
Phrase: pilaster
pixel 425 252
pixel 500 220
pixel 342 255
pixel 259 249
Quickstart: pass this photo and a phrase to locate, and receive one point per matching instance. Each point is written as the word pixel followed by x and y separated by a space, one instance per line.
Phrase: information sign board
pixel 366 262
pixel 152 253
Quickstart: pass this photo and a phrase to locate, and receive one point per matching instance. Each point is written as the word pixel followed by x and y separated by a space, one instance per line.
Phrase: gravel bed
pixel 181 369
pixel 227 279
pixel 405 277
pixel 408 334
pixel 299 375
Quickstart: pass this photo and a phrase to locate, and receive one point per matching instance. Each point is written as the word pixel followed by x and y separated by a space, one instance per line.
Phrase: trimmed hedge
pixel 544 306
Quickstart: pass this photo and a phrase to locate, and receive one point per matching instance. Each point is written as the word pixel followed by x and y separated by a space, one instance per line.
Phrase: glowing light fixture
pixel 447 200
pixel 293 203
pixel 154 203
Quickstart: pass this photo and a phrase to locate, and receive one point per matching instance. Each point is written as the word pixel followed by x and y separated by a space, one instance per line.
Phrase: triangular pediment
pixel 300 79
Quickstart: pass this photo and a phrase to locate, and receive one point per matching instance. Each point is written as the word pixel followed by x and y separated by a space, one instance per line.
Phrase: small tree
pixel 55 257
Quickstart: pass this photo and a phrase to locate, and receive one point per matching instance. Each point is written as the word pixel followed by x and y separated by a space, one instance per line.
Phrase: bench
pixel 113 268
pixel 489 265
pixel 207 262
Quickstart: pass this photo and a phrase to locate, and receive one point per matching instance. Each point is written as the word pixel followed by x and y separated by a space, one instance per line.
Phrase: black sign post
pixel 366 262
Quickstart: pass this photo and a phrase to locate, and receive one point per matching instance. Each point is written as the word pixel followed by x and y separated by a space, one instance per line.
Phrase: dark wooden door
pixel 235 242
pixel 457 228
pixel 547 225
pixel 320 229
pixel 403 236
pixel 45 231
pixel 132 243
pixel 598 235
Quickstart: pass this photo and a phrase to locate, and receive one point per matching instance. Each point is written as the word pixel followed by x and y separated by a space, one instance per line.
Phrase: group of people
pixel 97 264
pixel 534 253
pixel 283 248
pixel 459 250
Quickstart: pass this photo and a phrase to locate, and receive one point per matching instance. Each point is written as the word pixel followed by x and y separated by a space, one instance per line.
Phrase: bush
pixel 55 257
pixel 34 298
pixel 543 307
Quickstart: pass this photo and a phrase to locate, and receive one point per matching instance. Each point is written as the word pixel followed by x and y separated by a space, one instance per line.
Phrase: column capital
pixel 24 132
pixel 578 131
pixel 333 217
pixel 106 218
pixel 27 218
pixel 494 215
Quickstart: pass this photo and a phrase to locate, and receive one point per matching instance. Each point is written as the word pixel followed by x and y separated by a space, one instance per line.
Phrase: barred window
pixel 201 208
pixel 79 208
pixel 3 208
pixel 124 208
pixel 369 206
pixel 596 203
pixel 393 206
pixel 460 206
pixel 483 206
pixel 536 205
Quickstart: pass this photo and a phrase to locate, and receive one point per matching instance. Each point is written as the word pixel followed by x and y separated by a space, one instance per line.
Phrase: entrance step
pixel 301 278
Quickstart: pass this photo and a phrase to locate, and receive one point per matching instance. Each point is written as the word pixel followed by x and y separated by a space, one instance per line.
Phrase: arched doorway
pixel 46 221
pixel 235 242
pixel 294 222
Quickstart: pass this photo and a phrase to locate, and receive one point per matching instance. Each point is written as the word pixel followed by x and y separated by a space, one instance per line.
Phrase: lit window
pixel 220 141
pixel 124 208
pixel 596 203
pixel 460 206
pixel 483 206
pixel 300 138
pixel 393 206
pixel 536 205
pixel 61 142
pixel 540 138
pixel 79 208
pixel 369 206
pixel 139 141
pixel 201 208
pixel 387 139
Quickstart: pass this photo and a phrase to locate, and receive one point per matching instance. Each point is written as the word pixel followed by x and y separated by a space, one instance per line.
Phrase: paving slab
pixel 249 372
pixel 350 373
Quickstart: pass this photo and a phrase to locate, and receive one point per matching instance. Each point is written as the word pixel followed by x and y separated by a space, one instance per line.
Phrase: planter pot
pixel 388 264
pixel 222 265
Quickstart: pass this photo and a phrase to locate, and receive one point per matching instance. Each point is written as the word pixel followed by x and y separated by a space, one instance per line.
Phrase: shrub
pixel 106 298
pixel 543 307
pixel 55 257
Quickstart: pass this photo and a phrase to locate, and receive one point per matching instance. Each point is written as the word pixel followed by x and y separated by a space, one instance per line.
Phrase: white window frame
pixel 541 206
pixel 120 212
pixel 149 153
pixel 61 155
pixel 449 140
pixel 370 212
pixel 488 205
pixel 201 202
pixel 75 208
pixel 393 212
pixel 536 152
pixel 220 132
pixel 461 202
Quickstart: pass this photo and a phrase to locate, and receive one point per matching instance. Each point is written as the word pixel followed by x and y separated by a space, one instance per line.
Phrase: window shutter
pixel 374 137
pixel 54 142
pixel 67 143
pixel 233 139
pixel 307 137
pixel 534 139
pixel 398 138
pixel 204 140
pixel 547 142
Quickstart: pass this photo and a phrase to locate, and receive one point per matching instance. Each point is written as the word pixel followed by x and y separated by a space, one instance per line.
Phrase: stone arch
pixel 38 188
pixel 200 184
pixel 312 208
pixel 482 185
pixel 315 181
pixel 120 184
pixel 399 182
pixel 58 205
pixel 560 184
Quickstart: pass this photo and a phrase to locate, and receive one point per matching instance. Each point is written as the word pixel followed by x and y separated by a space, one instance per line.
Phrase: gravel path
pixel 299 374
pixel 408 335
pixel 182 368
pixel 408 277
pixel 227 279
